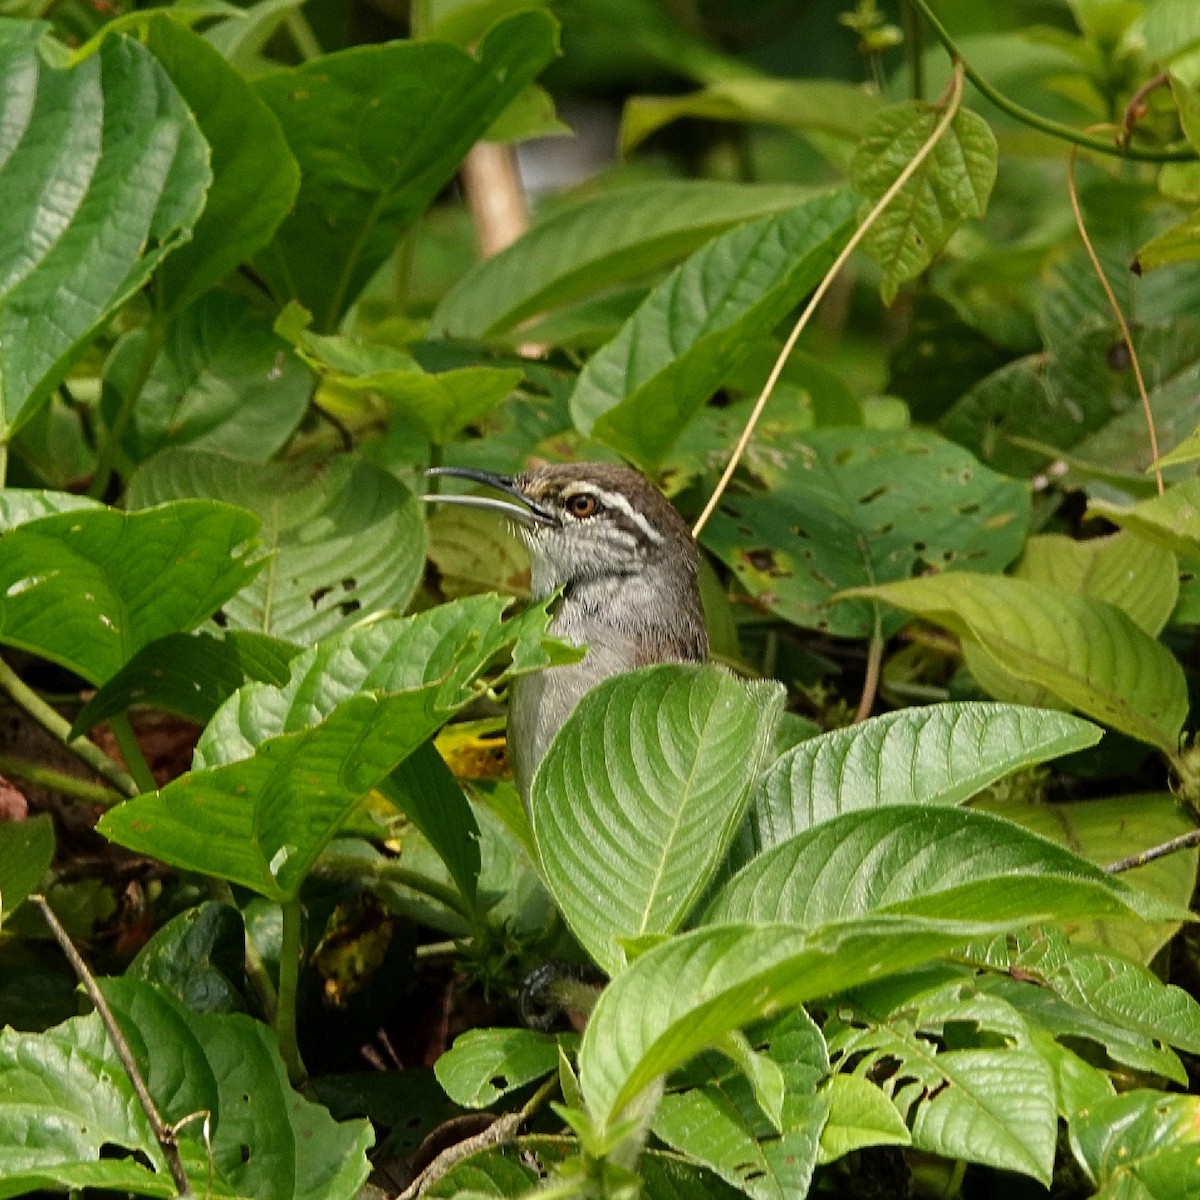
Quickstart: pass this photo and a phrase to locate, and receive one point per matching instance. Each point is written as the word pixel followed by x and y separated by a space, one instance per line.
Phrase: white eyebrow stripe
pixel 618 501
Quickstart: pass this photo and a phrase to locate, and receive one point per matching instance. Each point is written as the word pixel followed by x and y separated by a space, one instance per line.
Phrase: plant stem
pixel 335 865
pixel 59 728
pixel 951 101
pixel 58 781
pixel 301 33
pixel 3 462
pixel 874 662
pixel 163 1133
pixel 1182 842
pixel 1028 117
pixel 131 752
pixel 256 969
pixel 289 978
pixel 156 334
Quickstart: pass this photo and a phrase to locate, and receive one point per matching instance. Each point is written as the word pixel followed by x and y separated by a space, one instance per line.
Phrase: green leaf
pixel 423 788
pixel 596 242
pixel 26 848
pixel 87 589
pixel 18 505
pixel 1087 654
pixel 378 131
pixel 1141 1145
pixel 859 1115
pixel 347 539
pixel 115 146
pixel 223 382
pixel 1179 244
pixel 952 184
pixel 1108 829
pixel 240 38
pixel 1171 520
pixel 279 769
pixel 940 863
pixel 1186 451
pixel 255 177
pixel 483 1176
pixel 190 675
pixel 682 996
pixel 67 1105
pixel 640 794
pixel 1134 574
pixel 485 1064
pixel 857 507
pixel 937 755
pixel 640 390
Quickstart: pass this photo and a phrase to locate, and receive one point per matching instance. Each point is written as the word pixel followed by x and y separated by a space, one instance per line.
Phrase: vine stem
pixel 1110 296
pixel 335 865
pixel 1182 842
pixel 874 663
pixel 163 1133
pixel 26 699
pixel 59 781
pixel 951 99
pixel 1028 117
pixel 289 979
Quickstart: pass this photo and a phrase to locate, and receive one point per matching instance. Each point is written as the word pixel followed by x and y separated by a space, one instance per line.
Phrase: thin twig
pixel 26 699
pixel 498 1133
pixel 952 99
pixel 1182 842
pixel 874 662
pixel 1116 309
pixel 1135 109
pixel 1028 117
pixel 163 1133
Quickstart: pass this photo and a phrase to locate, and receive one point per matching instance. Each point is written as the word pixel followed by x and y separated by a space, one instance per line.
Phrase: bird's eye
pixel 582 505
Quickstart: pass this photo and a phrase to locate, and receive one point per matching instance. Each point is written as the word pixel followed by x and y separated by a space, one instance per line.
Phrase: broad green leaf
pixel 87 589
pixel 423 788
pixel 464 22
pixel 1109 829
pixel 473 552
pixel 1085 653
pixel 223 382
pixel 682 996
pixel 855 507
pixel 1171 520
pixel 255 177
pixel 485 1064
pixel 198 957
pixel 831 113
pixel 979 1102
pixel 1141 1145
pixel 190 675
pixel 242 35
pixel 941 754
pixel 859 1115
pixel 596 242
pixel 347 539
pixel 490 1175
pixel 378 131
pixel 113 144
pixel 67 1106
pixel 640 794
pixel 952 184
pixel 639 391
pixel 1134 574
pixel 279 769
pixel 18 505
pixel 26 848
pixel 1179 244
pixel 1187 451
pixel 940 863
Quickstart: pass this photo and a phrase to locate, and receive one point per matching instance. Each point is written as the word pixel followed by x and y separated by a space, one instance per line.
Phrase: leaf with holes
pixel 1132 573
pixel 485 1064
pixel 89 588
pixel 378 131
pixel 638 392
pixel 850 507
pixel 347 539
pixel 980 1103
pixel 940 863
pixel 278 769
pixel 223 382
pixel 190 675
pixel 640 794
pixel 1083 652
pixel 952 184
pixel 590 244
pixel 936 755
pixel 114 145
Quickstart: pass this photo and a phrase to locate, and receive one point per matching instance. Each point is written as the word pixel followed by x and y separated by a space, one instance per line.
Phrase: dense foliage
pixel 750 938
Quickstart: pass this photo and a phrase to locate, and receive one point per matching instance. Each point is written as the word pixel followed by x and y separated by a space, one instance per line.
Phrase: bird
pixel 628 569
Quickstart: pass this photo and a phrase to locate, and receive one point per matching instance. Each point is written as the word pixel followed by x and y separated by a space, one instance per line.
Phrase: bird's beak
pixel 528 512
